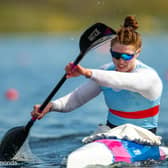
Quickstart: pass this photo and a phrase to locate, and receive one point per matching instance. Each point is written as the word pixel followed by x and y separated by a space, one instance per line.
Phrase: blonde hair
pixel 127 34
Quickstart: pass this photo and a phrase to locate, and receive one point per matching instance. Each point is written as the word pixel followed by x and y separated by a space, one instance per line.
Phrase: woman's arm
pixel 76 98
pixel 145 81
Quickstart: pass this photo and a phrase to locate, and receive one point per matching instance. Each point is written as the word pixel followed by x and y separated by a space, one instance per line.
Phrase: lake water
pixel 33 64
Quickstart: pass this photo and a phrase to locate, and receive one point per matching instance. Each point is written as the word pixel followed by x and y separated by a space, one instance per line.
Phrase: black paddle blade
pixel 95 35
pixel 11 142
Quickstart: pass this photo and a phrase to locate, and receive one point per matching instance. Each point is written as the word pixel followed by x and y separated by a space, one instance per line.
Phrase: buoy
pixel 12 94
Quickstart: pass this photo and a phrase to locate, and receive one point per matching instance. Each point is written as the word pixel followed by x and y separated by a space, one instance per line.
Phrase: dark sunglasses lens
pixel 115 55
pixel 127 57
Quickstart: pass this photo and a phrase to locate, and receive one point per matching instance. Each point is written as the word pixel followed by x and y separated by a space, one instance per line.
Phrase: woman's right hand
pixel 77 70
pixel 36 111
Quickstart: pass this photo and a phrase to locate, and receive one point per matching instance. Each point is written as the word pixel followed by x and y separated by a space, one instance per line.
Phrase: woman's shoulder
pixel 141 65
pixel 146 69
pixel 108 66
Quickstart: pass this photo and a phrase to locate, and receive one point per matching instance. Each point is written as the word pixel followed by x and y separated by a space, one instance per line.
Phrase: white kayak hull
pixel 97 153
pixel 126 143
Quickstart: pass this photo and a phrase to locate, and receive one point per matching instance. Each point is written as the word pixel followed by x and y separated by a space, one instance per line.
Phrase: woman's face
pixel 121 64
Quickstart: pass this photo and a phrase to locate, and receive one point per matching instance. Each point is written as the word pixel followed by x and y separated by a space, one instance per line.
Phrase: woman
pixel 132 90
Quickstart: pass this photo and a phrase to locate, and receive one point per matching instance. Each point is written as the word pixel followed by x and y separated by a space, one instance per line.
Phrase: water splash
pixel 25 154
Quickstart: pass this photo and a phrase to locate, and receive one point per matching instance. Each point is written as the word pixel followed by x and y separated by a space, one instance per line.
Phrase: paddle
pixel 15 137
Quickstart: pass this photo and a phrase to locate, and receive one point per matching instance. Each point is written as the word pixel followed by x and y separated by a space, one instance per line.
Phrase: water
pixel 33 65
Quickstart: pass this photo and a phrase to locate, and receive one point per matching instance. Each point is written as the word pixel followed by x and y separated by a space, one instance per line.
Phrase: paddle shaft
pixel 53 92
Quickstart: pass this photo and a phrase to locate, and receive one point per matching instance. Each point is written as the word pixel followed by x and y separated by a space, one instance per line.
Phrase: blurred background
pixel 74 15
pixel 39 37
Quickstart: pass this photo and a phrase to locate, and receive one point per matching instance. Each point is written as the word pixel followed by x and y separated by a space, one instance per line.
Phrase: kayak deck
pixel 109 151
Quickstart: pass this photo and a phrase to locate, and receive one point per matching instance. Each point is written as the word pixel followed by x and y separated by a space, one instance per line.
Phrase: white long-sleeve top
pixel 144 81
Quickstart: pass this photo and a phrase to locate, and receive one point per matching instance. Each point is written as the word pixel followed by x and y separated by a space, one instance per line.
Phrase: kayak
pixel 104 150
pixel 108 151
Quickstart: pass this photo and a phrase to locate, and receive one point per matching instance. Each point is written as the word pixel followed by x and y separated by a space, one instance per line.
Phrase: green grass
pixel 74 15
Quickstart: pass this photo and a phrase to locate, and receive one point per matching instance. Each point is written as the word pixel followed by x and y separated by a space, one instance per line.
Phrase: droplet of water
pixel 72 38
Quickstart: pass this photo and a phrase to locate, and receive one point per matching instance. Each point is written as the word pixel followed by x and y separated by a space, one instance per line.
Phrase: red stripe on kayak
pixel 137 114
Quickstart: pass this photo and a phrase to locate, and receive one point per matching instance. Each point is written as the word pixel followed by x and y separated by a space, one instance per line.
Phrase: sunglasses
pixel 124 56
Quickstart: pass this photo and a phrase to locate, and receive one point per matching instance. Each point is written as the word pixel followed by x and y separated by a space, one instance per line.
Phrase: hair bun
pixel 130 21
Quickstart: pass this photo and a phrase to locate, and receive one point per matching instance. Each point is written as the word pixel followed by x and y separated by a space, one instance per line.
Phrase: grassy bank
pixel 73 15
